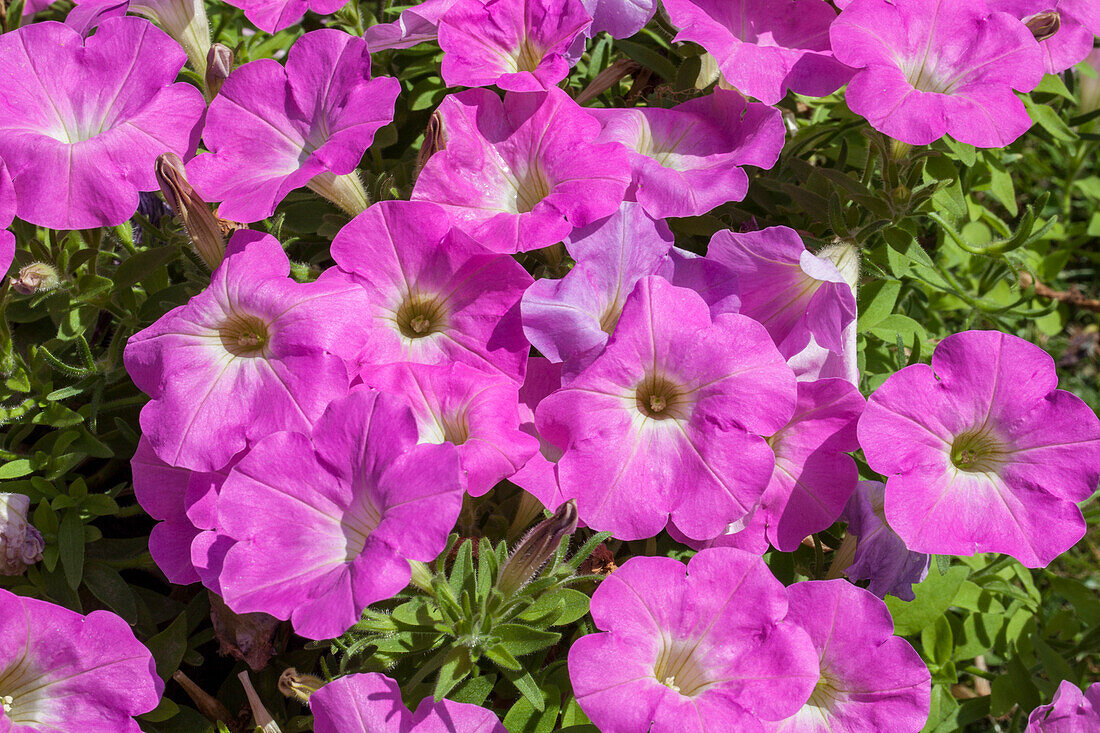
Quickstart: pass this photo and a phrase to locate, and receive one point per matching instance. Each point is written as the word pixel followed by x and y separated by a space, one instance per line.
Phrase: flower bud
pixel 20 543
pixel 36 277
pixel 219 62
pixel 536 547
pixel 260 716
pixel 1044 25
pixel 433 141
pixel 293 683
pixel 201 224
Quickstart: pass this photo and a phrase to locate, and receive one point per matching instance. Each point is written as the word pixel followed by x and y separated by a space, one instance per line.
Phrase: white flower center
pixel 678 668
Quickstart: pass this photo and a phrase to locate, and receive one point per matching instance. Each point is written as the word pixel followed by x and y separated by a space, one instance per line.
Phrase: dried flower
pixel 20 543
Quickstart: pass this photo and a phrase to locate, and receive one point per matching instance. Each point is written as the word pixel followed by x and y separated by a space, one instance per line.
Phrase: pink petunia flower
pixel 434 295
pixel 371 703
pixel 880 556
pixel 184 20
pixel 1064 39
pixel 472 409
pixel 688 159
pixel 274 15
pixel 63 671
pixel 518 45
pixel 416 24
pixel 77 159
pixel 981 452
pixel 926 68
pixel 667 423
pixel 620 18
pixel 871 680
pixel 252 354
pixel 273 129
pixel 694 648
pixel 539 476
pixel 765 47
pixel 351 503
pixel 520 173
pixel 7 216
pixel 1071 711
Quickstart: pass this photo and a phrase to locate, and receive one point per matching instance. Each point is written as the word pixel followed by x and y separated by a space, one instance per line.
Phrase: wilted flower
pixel 1064 28
pixel 1069 712
pixel 20 543
pixel 880 555
pixel 36 277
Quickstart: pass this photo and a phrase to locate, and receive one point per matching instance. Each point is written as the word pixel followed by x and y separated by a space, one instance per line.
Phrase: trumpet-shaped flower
pixel 519 45
pixel 620 18
pixel 871 680
pixel 83 119
pixel 765 47
pixel 274 15
pixel 273 129
pixel 60 670
pixel 926 68
pixel 326 523
pixel 691 649
pixel 688 159
pixel 981 452
pixel 415 25
pixel 252 354
pixel 668 422
pixel 881 557
pixel 521 173
pixel 184 20
pixel 434 295
pixel 1064 28
pixel 1071 711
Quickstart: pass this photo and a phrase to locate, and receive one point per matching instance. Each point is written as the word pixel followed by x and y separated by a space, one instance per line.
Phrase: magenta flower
pixel 926 68
pixel 871 680
pixel 254 353
pixel 349 506
pixel 273 129
pixel 688 159
pixel 881 557
pixel 539 476
pixel 521 173
pixel 472 409
pixel 667 422
pixel 434 295
pixel 274 15
pixel 620 18
pixel 7 216
pixel 570 319
pixel 183 20
pixel 519 45
pixel 981 452
pixel 60 670
pixel 415 25
pixel 1071 711
pixel 78 160
pixel 693 648
pixel 371 703
pixel 765 47
pixel 1078 22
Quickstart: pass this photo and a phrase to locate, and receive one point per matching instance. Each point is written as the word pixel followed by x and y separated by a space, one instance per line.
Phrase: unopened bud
pixel 845 255
pixel 219 62
pixel 433 141
pixel 1044 25
pixel 201 224
pixel 21 544
pixel 36 277
pixel 260 716
pixel 536 547
pixel 293 683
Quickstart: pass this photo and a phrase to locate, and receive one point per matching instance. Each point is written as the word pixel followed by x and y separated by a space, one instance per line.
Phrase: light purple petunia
pixel 570 319
pixel 692 649
pixel 473 409
pixel 880 556
pixel 434 295
pixel 688 159
pixel 371 703
pixel 871 680
pixel 184 20
pixel 765 47
pixel 520 173
pixel 1071 711
pixel 981 452
pixel 518 45
pixel 252 354
pixel 667 423
pixel 539 476
pixel 416 24
pixel 83 120
pixel 350 504
pixel 927 68
pixel 273 129
pixel 60 670
pixel 620 18
pixel 274 15
pixel 1078 23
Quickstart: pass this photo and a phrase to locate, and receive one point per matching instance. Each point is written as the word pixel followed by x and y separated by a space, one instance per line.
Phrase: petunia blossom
pixel 689 158
pixel 926 68
pixel 273 129
pixel 1065 29
pixel 252 354
pixel 521 173
pixel 981 452
pixel 881 557
pixel 7 216
pixel 667 424
pixel 871 680
pixel 184 20
pixel 371 703
pixel 693 648
pixel 416 24
pixel 620 18
pixel 518 45
pixel 274 15
pixel 60 670
pixel 1071 711
pixel 326 523
pixel 434 294
pixel 539 476
pixel 765 47
pixel 83 119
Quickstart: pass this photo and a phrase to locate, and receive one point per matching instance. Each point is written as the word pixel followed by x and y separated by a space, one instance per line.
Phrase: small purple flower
pixel 981 452
pixel 371 703
pixel 326 523
pixel 688 159
pixel 520 173
pixel 77 159
pixel 871 680
pixel 252 354
pixel 1071 33
pixel 693 648
pixel 539 476
pixel 926 68
pixel 416 24
pixel 620 18
pixel 60 670
pixel 273 129
pixel 765 47
pixel 881 556
pixel 1071 711
pixel 274 15
pixel 519 45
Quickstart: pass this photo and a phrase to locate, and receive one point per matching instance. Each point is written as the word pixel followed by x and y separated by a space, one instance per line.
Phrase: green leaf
pixel 500 656
pixel 1045 116
pixel 938 641
pixel 933 596
pixel 456 667
pixel 1000 185
pixel 135 269
pixel 519 639
pixel 879 298
pixel 1015 687
pixel 525 718
pixel 108 586
pixel 70 545
pixel 648 58
pixel 527 687
pixel 15 469
pixel 169 646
